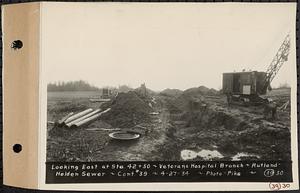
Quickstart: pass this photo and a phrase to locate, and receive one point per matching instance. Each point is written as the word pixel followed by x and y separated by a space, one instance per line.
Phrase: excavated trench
pixel 219 133
pixel 207 130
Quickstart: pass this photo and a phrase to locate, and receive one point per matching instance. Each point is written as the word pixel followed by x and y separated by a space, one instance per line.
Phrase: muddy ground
pixel 183 129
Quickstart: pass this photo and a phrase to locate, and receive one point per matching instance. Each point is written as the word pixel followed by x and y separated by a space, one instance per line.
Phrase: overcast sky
pixel 164 45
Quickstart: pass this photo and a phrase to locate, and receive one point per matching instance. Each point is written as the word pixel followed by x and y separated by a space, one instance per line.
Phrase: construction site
pixel 245 120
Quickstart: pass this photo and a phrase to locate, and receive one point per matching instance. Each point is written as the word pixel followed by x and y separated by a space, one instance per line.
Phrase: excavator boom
pixel 280 57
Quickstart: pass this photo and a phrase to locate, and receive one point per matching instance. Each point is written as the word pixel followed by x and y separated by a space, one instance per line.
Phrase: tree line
pixel 71 86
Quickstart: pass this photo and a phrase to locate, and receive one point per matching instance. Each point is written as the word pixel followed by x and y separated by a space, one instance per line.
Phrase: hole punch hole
pixel 17 44
pixel 17 148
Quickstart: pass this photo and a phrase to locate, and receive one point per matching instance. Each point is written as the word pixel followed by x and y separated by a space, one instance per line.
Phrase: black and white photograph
pixel 152 83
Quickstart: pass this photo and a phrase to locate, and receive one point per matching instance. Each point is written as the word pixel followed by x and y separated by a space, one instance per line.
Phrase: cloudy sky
pixel 164 45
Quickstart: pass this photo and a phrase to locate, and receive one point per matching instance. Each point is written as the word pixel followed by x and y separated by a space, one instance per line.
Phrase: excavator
pixel 248 87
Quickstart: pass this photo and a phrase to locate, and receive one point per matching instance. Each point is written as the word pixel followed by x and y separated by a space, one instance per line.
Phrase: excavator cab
pixel 247 87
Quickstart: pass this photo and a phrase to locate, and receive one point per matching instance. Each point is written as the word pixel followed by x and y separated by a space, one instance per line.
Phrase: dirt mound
pixel 127 110
pixel 193 96
pixel 143 91
pixel 184 101
pixel 124 88
pixel 200 90
pixel 232 133
pixel 171 92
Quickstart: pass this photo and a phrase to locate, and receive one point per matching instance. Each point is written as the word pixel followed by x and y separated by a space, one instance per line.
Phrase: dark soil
pixel 128 110
pixel 197 119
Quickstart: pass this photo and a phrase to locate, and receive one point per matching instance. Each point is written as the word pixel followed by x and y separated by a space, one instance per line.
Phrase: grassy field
pixel 68 95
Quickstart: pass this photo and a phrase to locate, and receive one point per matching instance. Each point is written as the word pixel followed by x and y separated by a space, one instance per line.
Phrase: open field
pixel 196 124
pixel 69 95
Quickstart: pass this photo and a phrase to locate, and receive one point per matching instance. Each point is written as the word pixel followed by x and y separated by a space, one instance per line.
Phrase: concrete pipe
pixel 80 114
pixel 89 119
pixel 83 117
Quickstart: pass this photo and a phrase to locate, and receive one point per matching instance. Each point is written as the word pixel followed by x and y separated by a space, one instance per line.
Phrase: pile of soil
pixel 127 110
pixel 193 95
pixel 171 92
pixel 142 89
pixel 202 90
pixel 232 133
pixel 208 118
